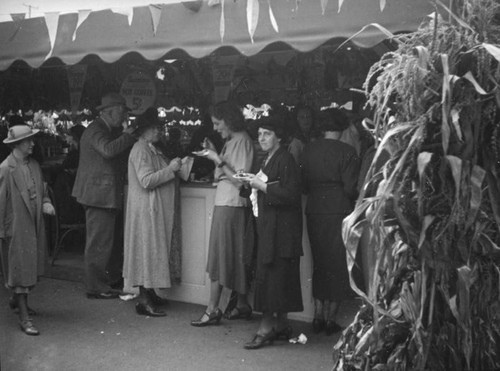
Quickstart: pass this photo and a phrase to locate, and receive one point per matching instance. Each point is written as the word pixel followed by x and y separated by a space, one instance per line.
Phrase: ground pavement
pixel 83 334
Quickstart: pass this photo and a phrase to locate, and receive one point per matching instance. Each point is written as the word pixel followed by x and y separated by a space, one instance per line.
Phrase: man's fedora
pixel 18 133
pixel 112 100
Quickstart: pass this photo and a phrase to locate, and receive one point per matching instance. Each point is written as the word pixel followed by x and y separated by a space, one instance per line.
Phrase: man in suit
pixel 99 188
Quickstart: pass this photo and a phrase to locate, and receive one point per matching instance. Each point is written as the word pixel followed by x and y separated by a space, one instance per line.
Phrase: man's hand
pixel 48 209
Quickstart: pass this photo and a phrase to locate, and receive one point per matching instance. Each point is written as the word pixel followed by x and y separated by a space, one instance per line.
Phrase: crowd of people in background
pixel 256 232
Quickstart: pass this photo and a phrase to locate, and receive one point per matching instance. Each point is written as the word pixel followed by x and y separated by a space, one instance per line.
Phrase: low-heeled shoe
pixel 156 299
pixel 213 319
pixel 260 340
pixel 148 310
pixel 102 295
pixel 332 327
pixel 240 313
pixel 28 328
pixel 285 333
pixel 318 325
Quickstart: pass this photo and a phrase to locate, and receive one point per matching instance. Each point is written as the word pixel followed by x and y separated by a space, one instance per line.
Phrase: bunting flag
pixel 222 25
pixel 324 3
pixel 155 11
pixel 252 16
pixel 52 22
pixel 128 12
pixel 82 16
pixel 17 18
pixel 273 18
pixel 194 6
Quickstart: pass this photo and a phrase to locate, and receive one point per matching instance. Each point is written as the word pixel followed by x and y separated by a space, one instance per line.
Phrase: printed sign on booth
pixel 139 90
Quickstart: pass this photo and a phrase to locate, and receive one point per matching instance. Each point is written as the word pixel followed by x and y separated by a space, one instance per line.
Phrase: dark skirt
pixel 277 287
pixel 330 276
pixel 228 249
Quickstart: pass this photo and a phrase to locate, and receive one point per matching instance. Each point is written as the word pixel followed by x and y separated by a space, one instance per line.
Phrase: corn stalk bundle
pixel 432 210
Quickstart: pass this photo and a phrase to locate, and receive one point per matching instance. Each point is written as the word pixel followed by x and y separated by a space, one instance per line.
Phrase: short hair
pixel 230 113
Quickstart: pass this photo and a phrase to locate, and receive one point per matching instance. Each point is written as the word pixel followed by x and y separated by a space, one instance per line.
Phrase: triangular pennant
pixel 193 5
pixel 52 22
pixel 324 3
pixel 252 16
pixel 17 17
pixel 82 16
pixel 155 11
pixel 273 18
pixel 222 26
pixel 128 12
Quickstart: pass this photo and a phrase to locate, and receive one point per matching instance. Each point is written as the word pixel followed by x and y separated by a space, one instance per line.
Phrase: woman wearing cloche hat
pixel 150 215
pixel 23 199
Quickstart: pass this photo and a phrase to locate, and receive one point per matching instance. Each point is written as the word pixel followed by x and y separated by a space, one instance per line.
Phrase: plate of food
pixel 203 152
pixel 243 176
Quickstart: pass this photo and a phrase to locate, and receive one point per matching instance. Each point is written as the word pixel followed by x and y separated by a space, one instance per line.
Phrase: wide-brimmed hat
pixel 112 100
pixel 332 119
pixel 147 119
pixel 18 133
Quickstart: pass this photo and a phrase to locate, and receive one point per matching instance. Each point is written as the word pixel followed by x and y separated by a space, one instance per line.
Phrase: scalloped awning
pixel 301 25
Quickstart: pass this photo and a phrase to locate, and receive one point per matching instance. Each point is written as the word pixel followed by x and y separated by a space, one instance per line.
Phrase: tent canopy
pixel 197 29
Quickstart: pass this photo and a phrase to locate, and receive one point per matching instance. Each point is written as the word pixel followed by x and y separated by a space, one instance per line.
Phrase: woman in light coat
pixel 149 218
pixel 23 199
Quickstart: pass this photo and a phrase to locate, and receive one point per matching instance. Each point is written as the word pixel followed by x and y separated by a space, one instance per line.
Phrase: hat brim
pixel 33 132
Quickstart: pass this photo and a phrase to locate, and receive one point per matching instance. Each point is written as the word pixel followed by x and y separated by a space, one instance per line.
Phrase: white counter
pixel 197 203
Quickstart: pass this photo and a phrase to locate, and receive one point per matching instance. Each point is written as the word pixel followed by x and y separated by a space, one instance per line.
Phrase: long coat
pixel 149 217
pixel 19 227
pixel 101 170
pixel 279 223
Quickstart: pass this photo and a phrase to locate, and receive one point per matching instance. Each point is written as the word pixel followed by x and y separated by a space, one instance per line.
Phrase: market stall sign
pixel 139 91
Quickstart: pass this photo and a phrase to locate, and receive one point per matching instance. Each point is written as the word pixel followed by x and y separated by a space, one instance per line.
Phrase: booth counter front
pixel 197 203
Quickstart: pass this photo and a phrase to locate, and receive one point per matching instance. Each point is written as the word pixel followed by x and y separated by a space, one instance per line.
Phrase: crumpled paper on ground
pixel 301 339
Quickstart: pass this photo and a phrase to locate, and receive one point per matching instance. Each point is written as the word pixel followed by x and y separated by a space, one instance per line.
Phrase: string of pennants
pixel 252 15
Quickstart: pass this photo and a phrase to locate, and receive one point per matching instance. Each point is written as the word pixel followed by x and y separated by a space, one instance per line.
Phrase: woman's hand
pixel 175 164
pixel 257 183
pixel 213 156
pixel 207 144
pixel 48 209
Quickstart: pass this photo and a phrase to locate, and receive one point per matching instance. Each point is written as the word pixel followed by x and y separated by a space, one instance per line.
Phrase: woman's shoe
pixel 332 327
pixel 285 333
pixel 28 328
pixel 149 310
pixel 212 319
pixel 155 298
pixel 260 340
pixel 318 325
pixel 240 313
pixel 13 306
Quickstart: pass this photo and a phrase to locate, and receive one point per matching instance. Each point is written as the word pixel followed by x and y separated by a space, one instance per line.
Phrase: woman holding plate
pixel 227 256
pixel 279 230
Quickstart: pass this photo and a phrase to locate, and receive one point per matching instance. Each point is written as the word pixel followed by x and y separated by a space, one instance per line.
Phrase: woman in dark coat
pixel 279 229
pixel 330 170
pixel 23 199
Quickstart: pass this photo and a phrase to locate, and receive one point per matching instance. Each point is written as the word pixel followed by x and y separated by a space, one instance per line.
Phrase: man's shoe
pixel 28 328
pixel 102 295
pixel 149 310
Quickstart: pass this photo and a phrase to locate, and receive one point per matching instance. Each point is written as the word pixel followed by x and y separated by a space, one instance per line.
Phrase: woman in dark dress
pixel 330 170
pixel 279 229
